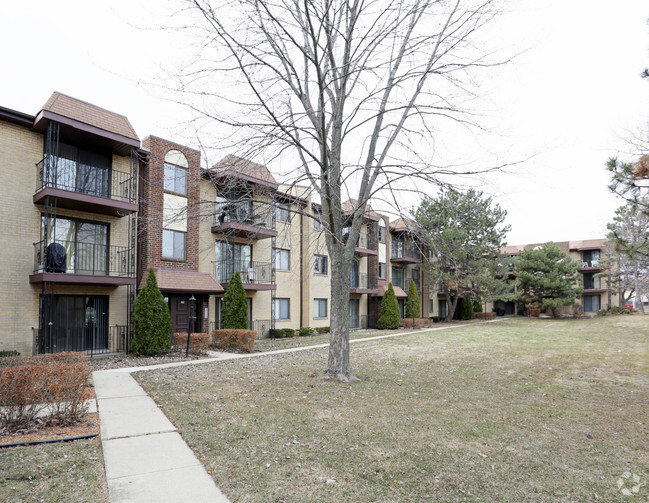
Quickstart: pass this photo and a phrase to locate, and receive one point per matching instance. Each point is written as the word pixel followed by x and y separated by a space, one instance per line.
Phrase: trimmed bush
pixel 477 304
pixel 466 309
pixel 151 320
pixel 620 310
pixel 303 331
pixel 197 342
pixel 323 330
pixel 56 383
pixel 280 333
pixel 232 338
pixel 234 313
pixel 4 354
pixel 389 314
pixel 412 295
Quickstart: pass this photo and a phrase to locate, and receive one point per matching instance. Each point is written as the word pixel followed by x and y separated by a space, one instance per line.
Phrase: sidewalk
pixel 146 459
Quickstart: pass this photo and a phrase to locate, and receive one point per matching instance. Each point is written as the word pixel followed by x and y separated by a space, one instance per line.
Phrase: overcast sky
pixel 569 100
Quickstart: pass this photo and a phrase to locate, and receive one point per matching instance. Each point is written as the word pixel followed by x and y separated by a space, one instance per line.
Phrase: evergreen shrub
pixel 234 313
pixel 151 320
pixel 389 314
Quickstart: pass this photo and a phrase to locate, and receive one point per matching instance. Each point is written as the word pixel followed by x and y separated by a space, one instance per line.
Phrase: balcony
pixel 245 219
pixel 83 187
pixel 83 263
pixel 590 265
pixel 254 275
pixel 365 245
pixel 403 255
pixel 362 283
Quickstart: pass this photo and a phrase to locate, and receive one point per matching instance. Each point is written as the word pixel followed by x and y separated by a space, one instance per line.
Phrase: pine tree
pixel 151 320
pixel 413 295
pixel 389 314
pixel 547 278
pixel 235 306
pixel 466 308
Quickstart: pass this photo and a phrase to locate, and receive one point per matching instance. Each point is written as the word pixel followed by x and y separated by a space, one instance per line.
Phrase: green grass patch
pixel 515 411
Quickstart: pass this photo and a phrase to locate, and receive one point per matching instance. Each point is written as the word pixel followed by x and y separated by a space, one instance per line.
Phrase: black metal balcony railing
pixel 93 339
pixel 72 176
pixel 362 281
pixel 405 252
pixel 251 272
pixel 364 241
pixel 245 212
pixel 592 283
pixel 83 258
pixel 415 279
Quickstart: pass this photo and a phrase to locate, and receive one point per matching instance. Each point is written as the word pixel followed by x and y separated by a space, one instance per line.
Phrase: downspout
pixel 301 269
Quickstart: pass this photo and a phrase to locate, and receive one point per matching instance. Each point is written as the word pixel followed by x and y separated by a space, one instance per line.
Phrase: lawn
pixel 67 472
pixel 513 411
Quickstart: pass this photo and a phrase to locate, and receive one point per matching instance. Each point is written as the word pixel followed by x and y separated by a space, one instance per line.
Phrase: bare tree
pixel 351 92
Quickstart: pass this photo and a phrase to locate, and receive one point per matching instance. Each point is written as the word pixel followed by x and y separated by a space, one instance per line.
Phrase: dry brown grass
pixel 514 411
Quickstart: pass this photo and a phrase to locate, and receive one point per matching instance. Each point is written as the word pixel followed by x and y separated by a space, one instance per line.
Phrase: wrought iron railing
pixel 73 257
pixel 93 339
pixel 245 212
pixel 262 327
pixel 77 177
pixel 363 281
pixel 251 272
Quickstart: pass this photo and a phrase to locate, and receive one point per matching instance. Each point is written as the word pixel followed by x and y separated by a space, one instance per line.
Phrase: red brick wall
pixel 151 206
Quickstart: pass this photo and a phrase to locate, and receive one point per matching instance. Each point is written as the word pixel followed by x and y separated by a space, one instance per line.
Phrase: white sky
pixel 570 99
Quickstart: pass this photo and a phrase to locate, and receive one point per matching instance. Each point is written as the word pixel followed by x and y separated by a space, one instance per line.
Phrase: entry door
pixel 353 313
pixel 179 307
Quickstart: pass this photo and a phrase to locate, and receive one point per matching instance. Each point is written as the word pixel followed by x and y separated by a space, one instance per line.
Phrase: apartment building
pixel 69 201
pixel 596 293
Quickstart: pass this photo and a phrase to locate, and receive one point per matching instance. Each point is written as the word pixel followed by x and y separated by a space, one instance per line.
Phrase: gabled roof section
pixel 92 115
pixel 403 225
pixel 180 280
pixel 349 206
pixel 238 167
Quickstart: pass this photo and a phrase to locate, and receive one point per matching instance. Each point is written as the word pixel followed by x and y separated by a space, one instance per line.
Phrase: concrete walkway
pixel 146 459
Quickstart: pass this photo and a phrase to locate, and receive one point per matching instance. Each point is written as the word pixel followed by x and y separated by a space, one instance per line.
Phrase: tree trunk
pixel 338 367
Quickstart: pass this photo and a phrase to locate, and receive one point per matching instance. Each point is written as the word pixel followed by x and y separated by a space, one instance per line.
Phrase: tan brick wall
pixel 20 150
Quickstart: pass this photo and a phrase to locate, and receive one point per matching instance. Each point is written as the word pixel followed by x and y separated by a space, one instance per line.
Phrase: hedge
pixel 484 316
pixel 54 383
pixel 280 333
pixel 197 342
pixel 234 338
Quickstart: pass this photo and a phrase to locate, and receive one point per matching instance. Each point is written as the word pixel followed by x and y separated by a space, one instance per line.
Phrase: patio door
pixel 73 323
pixel 353 313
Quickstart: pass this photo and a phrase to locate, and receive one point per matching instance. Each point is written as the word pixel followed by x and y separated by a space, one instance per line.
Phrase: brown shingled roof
pixel 88 113
pixel 234 165
pixel 178 280
pixel 398 291
pixel 403 224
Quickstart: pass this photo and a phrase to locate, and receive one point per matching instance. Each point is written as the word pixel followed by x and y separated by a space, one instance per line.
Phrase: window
pixel 430 306
pixel 317 221
pixel 173 244
pixel 382 270
pixel 281 259
pixel 591 282
pixel 319 308
pixel 78 170
pixel 175 179
pixel 381 234
pixel 591 303
pixel 441 305
pixel 320 264
pixel 82 247
pixel 590 258
pixel 282 213
pixel 415 278
pixel 282 309
pixel 397 248
pixel 397 277
pixel 232 257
